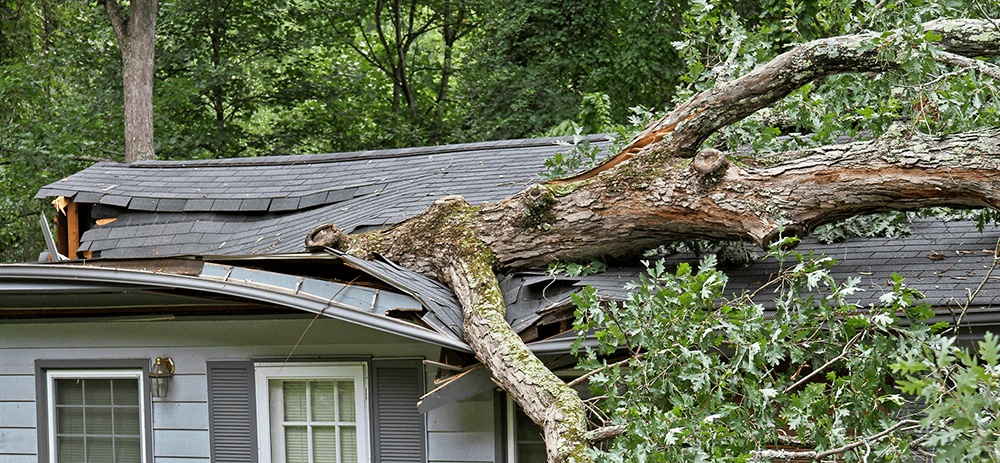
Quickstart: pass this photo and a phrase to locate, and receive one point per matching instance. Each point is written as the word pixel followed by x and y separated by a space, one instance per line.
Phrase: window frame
pixel 510 429
pixel 47 371
pixel 358 371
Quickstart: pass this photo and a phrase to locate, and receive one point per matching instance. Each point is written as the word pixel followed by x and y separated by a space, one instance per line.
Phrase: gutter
pixel 311 304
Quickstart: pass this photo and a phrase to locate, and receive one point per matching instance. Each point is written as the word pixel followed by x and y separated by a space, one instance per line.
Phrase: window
pixel 316 413
pixel 525 443
pixel 95 415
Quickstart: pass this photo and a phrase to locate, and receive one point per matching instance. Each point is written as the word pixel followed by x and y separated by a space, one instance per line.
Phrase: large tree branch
pixel 682 131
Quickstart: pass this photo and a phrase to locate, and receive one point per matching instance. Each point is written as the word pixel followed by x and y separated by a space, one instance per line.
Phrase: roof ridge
pixel 296 159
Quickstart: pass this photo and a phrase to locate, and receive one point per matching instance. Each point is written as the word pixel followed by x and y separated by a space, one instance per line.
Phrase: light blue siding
pixel 181 460
pixel 18 414
pixel 186 388
pixel 33 458
pixel 175 443
pixel 17 441
pixel 462 431
pixel 16 387
pixel 460 446
pixel 180 415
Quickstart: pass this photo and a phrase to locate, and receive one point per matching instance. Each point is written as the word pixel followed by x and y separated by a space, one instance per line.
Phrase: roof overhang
pixel 32 284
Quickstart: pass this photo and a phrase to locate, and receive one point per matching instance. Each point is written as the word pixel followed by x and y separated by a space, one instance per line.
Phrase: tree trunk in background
pixel 136 38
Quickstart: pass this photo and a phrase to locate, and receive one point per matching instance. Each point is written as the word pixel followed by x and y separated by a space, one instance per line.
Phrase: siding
pixel 180 421
pixel 463 431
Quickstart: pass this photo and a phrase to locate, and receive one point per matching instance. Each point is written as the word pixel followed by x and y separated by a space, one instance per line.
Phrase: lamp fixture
pixel 163 369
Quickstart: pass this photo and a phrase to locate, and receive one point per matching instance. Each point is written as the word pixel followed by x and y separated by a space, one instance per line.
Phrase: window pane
pixel 295 400
pixel 98 420
pixel 347 401
pixel 127 450
pixel 125 391
pixel 348 444
pixel 296 444
pixel 100 449
pixel 126 421
pixel 97 391
pixel 323 400
pixel 69 420
pixel 325 444
pixel 69 391
pixel 70 449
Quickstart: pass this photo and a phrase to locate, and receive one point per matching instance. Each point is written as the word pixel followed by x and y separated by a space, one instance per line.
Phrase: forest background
pixel 251 78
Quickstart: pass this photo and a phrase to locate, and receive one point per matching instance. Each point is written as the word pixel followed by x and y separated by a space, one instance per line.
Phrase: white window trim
pixel 54 374
pixel 511 432
pixel 264 372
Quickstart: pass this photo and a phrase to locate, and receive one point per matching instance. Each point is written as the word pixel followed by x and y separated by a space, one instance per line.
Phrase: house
pixel 194 275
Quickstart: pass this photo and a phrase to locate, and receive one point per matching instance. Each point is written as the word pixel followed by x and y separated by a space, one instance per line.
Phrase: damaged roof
pixel 244 206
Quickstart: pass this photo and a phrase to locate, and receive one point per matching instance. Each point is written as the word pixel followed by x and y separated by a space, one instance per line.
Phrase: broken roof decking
pixel 245 206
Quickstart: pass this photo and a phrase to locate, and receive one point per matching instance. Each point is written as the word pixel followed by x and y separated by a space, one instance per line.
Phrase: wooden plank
pixel 21 387
pixel 17 414
pixel 471 415
pixel 176 443
pixel 460 446
pixel 14 440
pixel 473 382
pixel 180 415
pixel 72 228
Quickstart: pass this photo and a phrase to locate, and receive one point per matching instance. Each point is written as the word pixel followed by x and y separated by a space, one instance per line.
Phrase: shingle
pixel 173 205
pixel 177 228
pixel 199 204
pixel 116 200
pixel 97 233
pixel 87 197
pixel 121 232
pixel 340 195
pixel 314 199
pixel 284 204
pixel 256 204
pixel 227 205
pixel 143 204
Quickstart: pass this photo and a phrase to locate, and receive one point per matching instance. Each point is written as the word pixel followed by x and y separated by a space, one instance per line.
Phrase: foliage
pixel 580 156
pixel 573 269
pixel 959 389
pixel 532 62
pixel 709 378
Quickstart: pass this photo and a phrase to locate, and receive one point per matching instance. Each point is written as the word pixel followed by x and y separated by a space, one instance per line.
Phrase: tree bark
pixel 136 38
pixel 653 192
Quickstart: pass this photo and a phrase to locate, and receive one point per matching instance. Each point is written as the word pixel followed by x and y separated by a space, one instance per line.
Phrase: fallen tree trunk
pixel 653 192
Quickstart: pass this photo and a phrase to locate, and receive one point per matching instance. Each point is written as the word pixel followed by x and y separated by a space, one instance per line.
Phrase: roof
pixel 243 206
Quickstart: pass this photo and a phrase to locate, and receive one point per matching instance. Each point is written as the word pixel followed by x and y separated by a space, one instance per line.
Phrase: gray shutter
pixel 399 427
pixel 232 415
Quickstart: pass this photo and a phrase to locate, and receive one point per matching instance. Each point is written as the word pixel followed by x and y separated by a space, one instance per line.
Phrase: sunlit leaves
pixel 719 377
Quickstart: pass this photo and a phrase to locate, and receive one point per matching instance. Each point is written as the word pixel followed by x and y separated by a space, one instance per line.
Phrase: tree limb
pixel 814 455
pixel 118 23
pixel 989 69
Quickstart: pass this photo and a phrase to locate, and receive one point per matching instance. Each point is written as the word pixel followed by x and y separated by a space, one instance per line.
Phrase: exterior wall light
pixel 159 377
